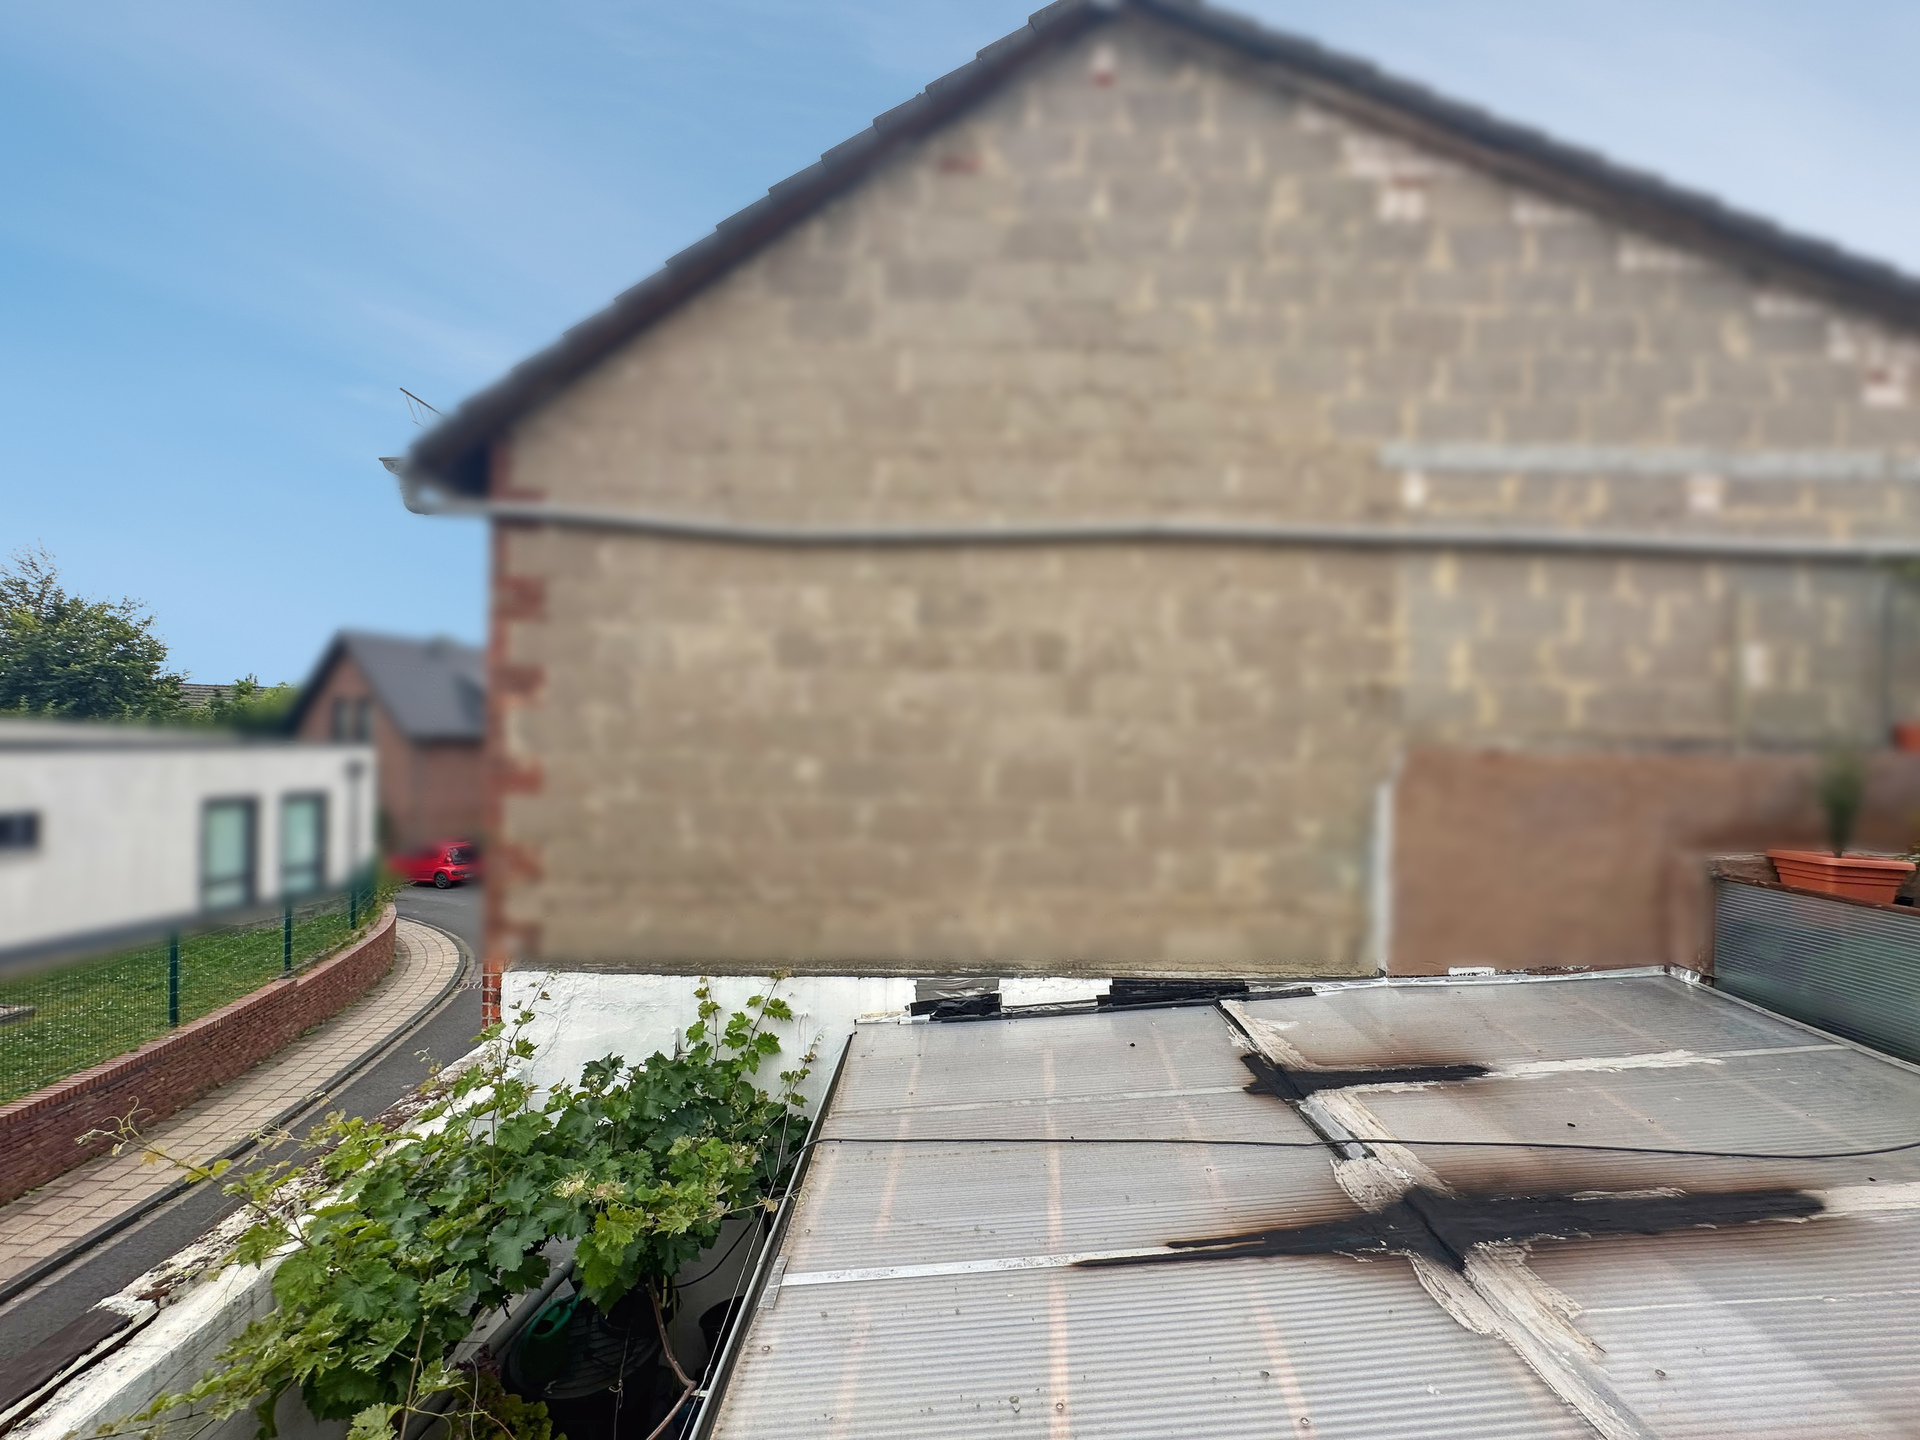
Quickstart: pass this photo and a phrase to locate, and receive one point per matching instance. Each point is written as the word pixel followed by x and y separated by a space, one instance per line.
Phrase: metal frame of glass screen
pixel 223 888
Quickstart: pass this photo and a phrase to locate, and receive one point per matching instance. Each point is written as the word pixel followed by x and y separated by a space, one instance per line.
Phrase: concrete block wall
pixel 1143 279
pixel 1578 650
pixel 1032 760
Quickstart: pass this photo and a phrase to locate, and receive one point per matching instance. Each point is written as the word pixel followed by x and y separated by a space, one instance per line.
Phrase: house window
pixel 352 717
pixel 20 830
pixel 226 854
pixel 303 844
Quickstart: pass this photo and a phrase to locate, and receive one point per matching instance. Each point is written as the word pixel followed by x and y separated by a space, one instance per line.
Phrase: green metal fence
pixel 56 1021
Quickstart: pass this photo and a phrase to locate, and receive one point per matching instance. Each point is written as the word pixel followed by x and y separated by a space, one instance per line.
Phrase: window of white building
pixel 227 854
pixel 303 844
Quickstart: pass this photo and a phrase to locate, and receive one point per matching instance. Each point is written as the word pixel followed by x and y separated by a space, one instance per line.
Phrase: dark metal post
pixel 286 939
pixel 173 979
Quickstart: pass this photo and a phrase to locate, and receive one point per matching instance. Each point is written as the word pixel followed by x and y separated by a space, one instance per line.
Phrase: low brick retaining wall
pixel 37 1132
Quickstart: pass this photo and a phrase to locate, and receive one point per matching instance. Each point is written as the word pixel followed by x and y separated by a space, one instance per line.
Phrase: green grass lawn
pixel 91 1011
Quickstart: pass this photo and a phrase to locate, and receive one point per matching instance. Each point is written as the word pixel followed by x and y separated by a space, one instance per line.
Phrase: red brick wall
pixel 37 1132
pixel 1598 859
pixel 428 791
pixel 517 600
pixel 447 800
pixel 390 747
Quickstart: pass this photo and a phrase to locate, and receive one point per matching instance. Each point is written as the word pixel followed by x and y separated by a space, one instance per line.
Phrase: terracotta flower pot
pixel 1859 877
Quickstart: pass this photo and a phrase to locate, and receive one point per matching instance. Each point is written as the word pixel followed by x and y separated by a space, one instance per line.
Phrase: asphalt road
pixel 445 1035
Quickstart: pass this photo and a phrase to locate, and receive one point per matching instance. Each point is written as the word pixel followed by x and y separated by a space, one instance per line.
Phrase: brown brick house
pixel 1042 534
pixel 423 705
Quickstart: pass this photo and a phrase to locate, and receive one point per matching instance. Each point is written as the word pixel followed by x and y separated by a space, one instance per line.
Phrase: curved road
pixel 445 1035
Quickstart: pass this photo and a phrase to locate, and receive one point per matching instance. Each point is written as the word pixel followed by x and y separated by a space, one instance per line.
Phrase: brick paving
pixel 47 1220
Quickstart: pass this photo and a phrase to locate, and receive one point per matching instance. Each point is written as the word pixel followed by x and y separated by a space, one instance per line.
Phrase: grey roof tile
pixel 431 689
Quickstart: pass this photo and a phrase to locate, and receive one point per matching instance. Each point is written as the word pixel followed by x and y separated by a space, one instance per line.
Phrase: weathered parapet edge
pixel 169 1353
pixel 180 1318
pixel 38 1131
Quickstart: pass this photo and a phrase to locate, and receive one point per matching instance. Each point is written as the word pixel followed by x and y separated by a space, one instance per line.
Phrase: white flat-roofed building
pixel 116 829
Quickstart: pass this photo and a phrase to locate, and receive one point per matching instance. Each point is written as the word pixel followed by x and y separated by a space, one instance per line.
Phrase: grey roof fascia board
pixel 799 180
pixel 661 278
pixel 1570 172
pixel 984 64
pixel 766 206
pixel 1048 16
pixel 1005 45
pixel 852 148
pixel 904 113
pixel 454 451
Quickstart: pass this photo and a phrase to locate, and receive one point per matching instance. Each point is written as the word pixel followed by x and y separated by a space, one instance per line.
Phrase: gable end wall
pixel 1143 280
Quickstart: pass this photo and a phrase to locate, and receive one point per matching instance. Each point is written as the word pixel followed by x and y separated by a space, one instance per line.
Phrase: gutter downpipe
pixel 424 499
pixel 720 1368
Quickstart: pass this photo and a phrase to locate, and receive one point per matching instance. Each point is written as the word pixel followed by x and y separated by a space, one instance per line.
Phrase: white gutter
pixel 424 498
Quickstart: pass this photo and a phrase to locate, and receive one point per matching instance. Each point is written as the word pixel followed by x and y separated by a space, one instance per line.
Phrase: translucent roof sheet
pixel 1037 1225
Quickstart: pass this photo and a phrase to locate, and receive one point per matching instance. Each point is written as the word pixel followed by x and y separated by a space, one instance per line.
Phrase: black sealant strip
pixel 1294 1086
pixel 1444 1228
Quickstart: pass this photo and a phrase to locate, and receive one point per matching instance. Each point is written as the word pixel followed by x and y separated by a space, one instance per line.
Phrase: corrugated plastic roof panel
pixel 1671 1066
pixel 913 1204
pixel 1173 1074
pixel 1781 1330
pixel 1222 1349
pixel 933 1278
pixel 1496 1022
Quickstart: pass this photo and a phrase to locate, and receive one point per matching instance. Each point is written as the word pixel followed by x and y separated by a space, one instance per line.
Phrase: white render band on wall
pixel 121 825
pixel 1494 459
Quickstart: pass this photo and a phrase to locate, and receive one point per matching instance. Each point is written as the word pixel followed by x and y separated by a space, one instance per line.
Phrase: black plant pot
pixel 572 1350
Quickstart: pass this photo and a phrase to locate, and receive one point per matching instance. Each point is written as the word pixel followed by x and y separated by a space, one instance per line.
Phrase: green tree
pixel 63 655
pixel 252 708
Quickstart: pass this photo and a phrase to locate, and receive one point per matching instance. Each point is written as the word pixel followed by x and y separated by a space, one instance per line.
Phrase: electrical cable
pixel 745 1231
pixel 1359 1140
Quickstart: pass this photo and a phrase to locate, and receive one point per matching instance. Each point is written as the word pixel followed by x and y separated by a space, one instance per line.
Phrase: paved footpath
pixel 65 1211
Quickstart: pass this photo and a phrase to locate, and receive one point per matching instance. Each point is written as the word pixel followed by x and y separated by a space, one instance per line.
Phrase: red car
pixel 450 862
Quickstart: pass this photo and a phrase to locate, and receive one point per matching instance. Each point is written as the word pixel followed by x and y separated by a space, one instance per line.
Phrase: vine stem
pixel 666 1349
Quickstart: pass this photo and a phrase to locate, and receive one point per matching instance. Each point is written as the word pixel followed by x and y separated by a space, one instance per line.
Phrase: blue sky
pixel 230 231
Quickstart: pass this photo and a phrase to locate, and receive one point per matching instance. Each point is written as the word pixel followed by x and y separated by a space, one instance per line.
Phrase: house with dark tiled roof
pixel 422 704
pixel 1173 498
pixel 200 696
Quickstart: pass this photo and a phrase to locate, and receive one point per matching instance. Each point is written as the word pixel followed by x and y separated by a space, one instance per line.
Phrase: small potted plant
pixel 1859 877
